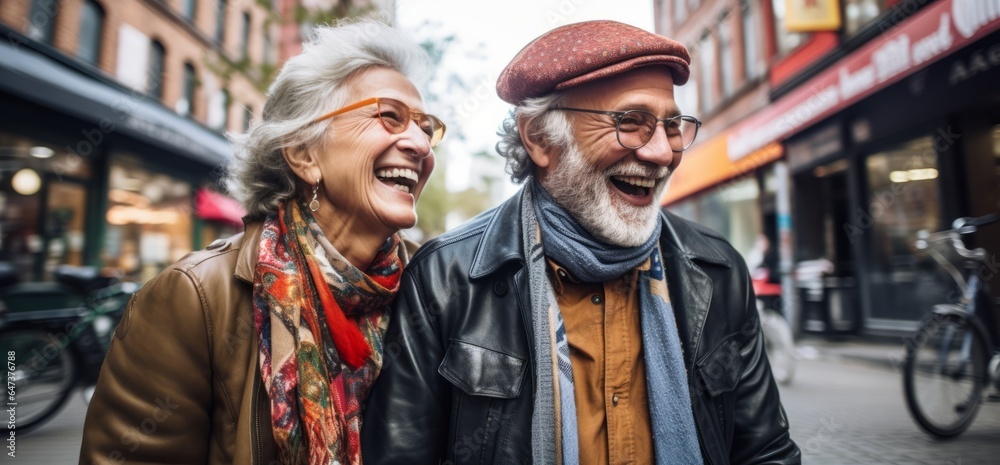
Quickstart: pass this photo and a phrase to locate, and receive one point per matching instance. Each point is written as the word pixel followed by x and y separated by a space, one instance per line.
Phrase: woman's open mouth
pixel 401 179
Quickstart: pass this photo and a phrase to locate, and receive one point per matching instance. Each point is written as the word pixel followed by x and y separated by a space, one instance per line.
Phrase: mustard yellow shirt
pixel 609 376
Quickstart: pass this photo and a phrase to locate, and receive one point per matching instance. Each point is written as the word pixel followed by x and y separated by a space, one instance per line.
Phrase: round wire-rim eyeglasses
pixel 638 127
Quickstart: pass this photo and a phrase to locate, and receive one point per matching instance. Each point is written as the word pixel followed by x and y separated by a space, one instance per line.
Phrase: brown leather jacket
pixel 181 382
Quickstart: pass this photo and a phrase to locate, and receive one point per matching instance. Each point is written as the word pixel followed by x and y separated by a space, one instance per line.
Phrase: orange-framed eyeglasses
pixel 395 117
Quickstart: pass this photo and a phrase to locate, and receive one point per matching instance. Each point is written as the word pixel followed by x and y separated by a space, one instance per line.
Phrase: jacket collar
pixel 246 261
pixel 502 241
pixel 681 236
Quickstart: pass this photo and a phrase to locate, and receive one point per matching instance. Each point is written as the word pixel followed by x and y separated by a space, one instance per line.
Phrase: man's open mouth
pixel 401 179
pixel 633 185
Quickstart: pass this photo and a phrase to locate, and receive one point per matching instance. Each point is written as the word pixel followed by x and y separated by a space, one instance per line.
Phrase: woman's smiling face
pixel 370 177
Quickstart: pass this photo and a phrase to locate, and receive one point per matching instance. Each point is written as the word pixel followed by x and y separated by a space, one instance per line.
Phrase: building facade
pixel 112 129
pixel 883 123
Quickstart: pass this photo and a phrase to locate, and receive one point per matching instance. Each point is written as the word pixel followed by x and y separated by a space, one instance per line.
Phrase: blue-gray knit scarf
pixel 675 439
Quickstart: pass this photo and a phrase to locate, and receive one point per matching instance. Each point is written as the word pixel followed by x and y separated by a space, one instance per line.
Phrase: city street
pixel 842 411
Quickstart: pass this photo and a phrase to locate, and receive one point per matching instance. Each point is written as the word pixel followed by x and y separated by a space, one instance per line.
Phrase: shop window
pixel 706 71
pixel 42 20
pixel 149 223
pixel 748 17
pixel 726 57
pixel 858 13
pixel 731 209
pixel 91 30
pixel 43 206
pixel 220 22
pixel 186 106
pixel 245 44
pixel 786 41
pixel 189 9
pixel 903 199
pixel 154 83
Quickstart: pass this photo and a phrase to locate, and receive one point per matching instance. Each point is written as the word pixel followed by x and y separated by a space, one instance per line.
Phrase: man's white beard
pixel 585 193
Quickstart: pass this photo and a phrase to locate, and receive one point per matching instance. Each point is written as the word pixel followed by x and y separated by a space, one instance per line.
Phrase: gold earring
pixel 314 205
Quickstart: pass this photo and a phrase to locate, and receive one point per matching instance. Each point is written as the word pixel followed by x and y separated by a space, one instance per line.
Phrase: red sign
pixel 920 40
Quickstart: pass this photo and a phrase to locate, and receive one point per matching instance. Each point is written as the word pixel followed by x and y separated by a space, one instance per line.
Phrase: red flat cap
pixel 583 52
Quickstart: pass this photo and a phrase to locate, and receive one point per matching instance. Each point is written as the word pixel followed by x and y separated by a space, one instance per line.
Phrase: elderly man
pixel 576 323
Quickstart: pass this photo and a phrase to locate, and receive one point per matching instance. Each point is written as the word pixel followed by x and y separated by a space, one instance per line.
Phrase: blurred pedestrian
pixel 575 323
pixel 262 348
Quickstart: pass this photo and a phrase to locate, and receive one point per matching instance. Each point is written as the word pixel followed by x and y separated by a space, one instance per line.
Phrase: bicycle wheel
pixel 44 375
pixel 779 346
pixel 944 374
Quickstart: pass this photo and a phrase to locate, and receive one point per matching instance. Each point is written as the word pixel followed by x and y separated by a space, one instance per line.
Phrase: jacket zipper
pixel 254 420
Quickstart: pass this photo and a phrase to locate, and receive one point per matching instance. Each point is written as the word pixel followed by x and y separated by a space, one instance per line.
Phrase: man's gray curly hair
pixel 309 85
pixel 548 127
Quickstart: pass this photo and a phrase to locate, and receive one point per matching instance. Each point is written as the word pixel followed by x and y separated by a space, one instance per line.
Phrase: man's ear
pixel 540 150
pixel 303 163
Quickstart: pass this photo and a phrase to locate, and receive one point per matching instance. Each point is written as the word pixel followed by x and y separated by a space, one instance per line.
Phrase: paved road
pixel 847 412
pixel 56 442
pixel 841 412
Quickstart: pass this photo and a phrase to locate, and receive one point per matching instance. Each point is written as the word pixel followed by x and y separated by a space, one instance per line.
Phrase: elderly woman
pixel 262 348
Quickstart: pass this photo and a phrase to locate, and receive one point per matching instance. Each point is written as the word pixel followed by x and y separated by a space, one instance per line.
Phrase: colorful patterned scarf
pixel 320 323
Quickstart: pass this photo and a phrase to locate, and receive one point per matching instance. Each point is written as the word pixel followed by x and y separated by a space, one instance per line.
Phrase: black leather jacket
pixel 458 381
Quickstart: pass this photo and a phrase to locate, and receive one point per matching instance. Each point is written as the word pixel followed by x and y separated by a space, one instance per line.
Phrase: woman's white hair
pixel 309 85
pixel 547 127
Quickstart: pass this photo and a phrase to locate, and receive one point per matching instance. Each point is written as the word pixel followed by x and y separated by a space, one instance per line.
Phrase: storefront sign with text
pixel 928 36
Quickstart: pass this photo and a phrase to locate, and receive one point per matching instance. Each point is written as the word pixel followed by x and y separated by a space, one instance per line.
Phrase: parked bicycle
pixel 955 355
pixel 58 332
pixel 778 341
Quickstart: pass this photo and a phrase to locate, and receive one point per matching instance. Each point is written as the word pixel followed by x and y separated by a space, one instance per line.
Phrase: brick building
pixel 113 122
pixel 838 130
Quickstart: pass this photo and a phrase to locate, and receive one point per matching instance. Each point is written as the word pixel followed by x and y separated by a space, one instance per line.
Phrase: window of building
pixel 154 83
pixel 189 8
pixel 268 49
pixel 220 114
pixel 686 97
pixel 187 103
pixel 245 44
pixel 247 117
pixel 706 56
pixel 903 278
pixel 858 13
pixel 91 30
pixel 750 34
pixel 726 57
pixel 42 20
pixel 149 220
pixel 220 21
pixel 786 41
pixel 680 11
pixel 43 205
pixel 732 209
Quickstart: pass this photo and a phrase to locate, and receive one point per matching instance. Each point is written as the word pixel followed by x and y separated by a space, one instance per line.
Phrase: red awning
pixel 214 206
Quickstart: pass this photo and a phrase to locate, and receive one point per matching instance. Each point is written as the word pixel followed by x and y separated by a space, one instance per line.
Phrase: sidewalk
pixel 886 354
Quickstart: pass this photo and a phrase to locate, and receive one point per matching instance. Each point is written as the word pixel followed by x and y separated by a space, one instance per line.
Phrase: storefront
pixel 94 174
pixel 898 137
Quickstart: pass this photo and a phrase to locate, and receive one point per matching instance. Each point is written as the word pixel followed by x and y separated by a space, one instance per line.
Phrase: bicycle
pixel 58 333
pixel 955 354
pixel 779 345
